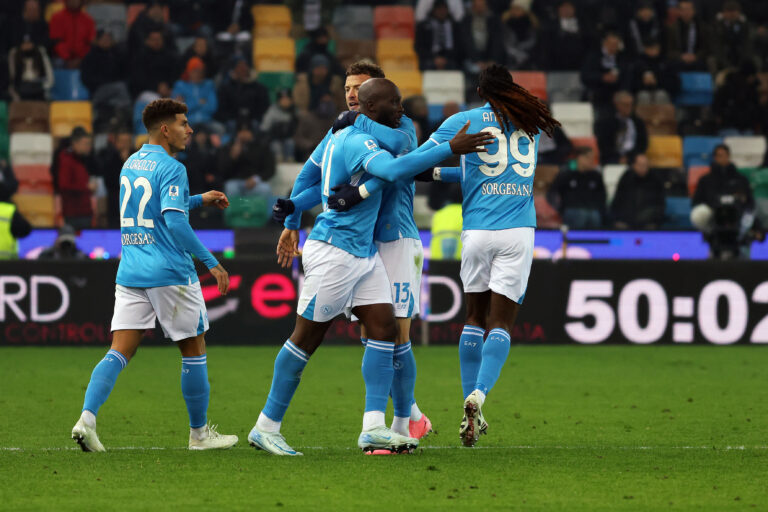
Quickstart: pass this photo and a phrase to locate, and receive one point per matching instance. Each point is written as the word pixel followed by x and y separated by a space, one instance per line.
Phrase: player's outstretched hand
pixel 287 247
pixel 283 208
pixel 222 278
pixel 215 198
pixel 344 197
pixel 346 118
pixel 463 143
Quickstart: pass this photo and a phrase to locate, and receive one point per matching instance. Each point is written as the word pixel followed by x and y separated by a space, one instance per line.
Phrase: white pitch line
pixel 519 447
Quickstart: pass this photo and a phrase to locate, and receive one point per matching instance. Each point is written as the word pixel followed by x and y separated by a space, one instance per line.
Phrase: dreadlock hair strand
pixel 513 104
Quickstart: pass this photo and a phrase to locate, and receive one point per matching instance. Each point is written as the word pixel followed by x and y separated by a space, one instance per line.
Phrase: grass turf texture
pixel 571 428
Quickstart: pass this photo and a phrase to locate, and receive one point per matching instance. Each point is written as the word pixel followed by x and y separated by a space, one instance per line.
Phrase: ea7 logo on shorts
pixel 371 144
pixel 173 191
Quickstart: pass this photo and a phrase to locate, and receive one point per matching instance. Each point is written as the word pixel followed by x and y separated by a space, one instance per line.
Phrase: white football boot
pixel 212 440
pixel 86 437
pixel 383 438
pixel 473 424
pixel 270 442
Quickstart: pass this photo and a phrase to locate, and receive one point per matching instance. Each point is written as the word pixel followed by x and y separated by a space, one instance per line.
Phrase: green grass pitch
pixel 571 428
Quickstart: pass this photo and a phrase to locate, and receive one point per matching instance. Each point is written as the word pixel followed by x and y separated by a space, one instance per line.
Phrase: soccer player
pixel 396 236
pixel 156 277
pixel 498 231
pixel 344 273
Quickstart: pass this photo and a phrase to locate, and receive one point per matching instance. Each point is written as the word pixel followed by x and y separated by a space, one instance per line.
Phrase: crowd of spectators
pixel 628 53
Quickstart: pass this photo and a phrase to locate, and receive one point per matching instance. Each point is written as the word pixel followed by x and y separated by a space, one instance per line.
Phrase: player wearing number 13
pixel 156 277
pixel 498 231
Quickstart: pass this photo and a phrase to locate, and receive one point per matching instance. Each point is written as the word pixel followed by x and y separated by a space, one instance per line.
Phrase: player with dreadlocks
pixel 498 231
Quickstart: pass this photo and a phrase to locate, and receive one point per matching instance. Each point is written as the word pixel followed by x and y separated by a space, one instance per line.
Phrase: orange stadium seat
pixel 534 81
pixel 590 142
pixel 665 151
pixel 271 21
pixel 274 54
pixel 694 175
pixel 394 22
pixel 409 82
pixel 65 115
pixel 38 209
pixel 659 119
pixel 28 116
pixel 397 55
pixel 34 179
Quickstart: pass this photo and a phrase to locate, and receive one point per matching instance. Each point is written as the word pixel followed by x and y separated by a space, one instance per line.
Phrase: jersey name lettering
pixel 137 239
pixel 140 165
pixel 507 189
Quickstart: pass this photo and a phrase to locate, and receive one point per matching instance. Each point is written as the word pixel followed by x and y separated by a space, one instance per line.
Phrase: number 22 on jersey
pixel 144 183
pixel 524 163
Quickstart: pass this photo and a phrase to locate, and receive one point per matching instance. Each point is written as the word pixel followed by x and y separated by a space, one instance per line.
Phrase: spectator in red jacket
pixel 71 31
pixel 74 181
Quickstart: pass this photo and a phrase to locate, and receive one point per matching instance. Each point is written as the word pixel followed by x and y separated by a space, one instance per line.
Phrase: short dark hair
pixel 722 146
pixel 365 67
pixel 78 132
pixel 158 111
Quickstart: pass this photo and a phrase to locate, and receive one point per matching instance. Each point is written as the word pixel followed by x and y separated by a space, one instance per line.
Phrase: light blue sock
pixel 378 371
pixel 495 352
pixel 470 356
pixel 289 364
pixel 103 380
pixel 404 380
pixel 195 388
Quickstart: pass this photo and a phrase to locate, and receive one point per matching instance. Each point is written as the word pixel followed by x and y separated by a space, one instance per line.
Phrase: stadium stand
pixel 695 172
pixel 442 87
pixel 698 150
pixel 611 175
pixel 534 81
pixel 65 115
pixel 564 87
pixel 274 54
pixel 577 118
pixel 353 22
pixel 68 86
pixel 665 151
pixel 31 149
pixel 396 55
pixel 110 17
pixel 746 151
pixel 28 116
pixel 394 22
pixel 271 21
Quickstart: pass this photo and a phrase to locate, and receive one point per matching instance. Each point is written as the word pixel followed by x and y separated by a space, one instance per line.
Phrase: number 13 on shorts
pixel 402 293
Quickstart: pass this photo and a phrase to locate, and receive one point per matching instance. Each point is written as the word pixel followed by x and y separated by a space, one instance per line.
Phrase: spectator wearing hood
pixel 438 40
pixel 30 72
pixel 317 45
pixel 71 30
pixel 241 98
pixel 279 124
pixel 309 90
pixel 639 200
pixel 64 248
pixel 197 92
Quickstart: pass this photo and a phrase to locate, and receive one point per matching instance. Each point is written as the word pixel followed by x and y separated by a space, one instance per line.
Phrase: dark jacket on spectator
pixel 640 33
pixel 427 46
pixel 578 189
pixel 242 100
pixel 610 133
pixel 555 150
pixel 141 28
pixel 594 66
pixel 36 30
pixel 665 72
pixel 736 103
pixel 561 49
pixel 639 201
pixel 107 164
pixel 491 51
pixel 723 181
pixel 149 68
pixel 72 32
pixel 255 159
pixel 201 162
pixel 30 73
pixel 732 44
pixel 73 185
pixel 695 37
pixel 101 67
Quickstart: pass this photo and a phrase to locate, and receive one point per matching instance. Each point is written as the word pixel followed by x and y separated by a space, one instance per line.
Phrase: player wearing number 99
pixel 156 277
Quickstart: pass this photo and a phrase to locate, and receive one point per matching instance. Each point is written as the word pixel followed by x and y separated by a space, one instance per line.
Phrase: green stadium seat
pixel 246 212
pixel 274 80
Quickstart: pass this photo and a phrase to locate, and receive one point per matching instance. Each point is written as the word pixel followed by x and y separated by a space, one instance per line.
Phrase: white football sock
pixel 481 396
pixel 89 419
pixel 415 412
pixel 400 425
pixel 373 419
pixel 199 433
pixel 267 425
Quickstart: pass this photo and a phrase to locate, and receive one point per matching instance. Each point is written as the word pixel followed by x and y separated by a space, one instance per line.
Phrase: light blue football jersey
pixel 151 182
pixel 345 157
pixel 396 212
pixel 497 185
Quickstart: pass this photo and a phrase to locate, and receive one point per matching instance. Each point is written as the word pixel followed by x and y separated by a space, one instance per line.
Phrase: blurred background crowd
pixel 664 103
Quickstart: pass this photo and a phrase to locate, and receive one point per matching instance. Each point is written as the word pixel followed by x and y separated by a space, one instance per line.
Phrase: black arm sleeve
pixel 20 228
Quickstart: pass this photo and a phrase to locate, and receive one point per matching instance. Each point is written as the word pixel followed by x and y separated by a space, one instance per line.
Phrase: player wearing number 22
pixel 498 231
pixel 156 277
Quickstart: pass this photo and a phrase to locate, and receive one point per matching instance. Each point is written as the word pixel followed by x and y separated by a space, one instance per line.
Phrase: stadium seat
pixel 68 86
pixel 409 82
pixel 677 213
pixel 65 115
pixel 271 21
pixel 135 9
pixel 3 115
pixel 746 151
pixel 246 212
pixel 577 118
pixel 443 87
pixel 564 86
pixel 31 149
pixel 28 116
pixel 38 209
pixel 696 89
pixel 694 175
pixel 275 80
pixel 534 81
pixel 698 150
pixel 543 178
pixel 51 9
pixel 665 151
pixel 611 175
pixel 590 142
pixel 274 54
pixel 396 55
pixel 758 178
pixel 352 50
pixel 353 22
pixel 110 17
pixel 659 119
pixel 34 179
pixel 285 175
pixel 394 22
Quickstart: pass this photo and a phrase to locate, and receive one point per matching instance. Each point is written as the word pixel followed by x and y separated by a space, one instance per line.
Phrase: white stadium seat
pixel 611 175
pixel 746 151
pixel 283 179
pixel 577 118
pixel 31 149
pixel 441 87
